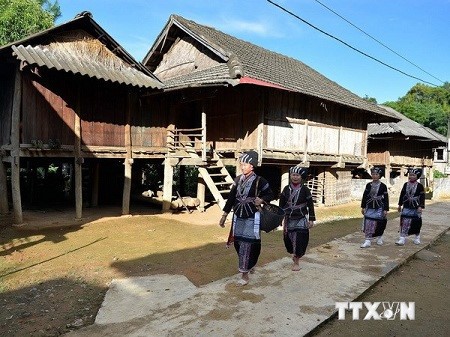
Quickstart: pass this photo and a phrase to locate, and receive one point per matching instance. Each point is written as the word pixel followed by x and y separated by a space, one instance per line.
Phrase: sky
pixel 411 36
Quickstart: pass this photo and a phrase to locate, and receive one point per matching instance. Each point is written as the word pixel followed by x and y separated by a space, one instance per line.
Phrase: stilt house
pixel 70 122
pixel 223 96
pixel 406 143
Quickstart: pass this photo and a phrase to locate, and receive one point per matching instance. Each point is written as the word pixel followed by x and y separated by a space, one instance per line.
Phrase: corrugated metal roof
pixel 405 126
pixel 258 63
pixel 63 59
pixel 37 49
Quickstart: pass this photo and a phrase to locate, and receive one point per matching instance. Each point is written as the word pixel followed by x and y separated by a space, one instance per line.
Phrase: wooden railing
pixel 187 141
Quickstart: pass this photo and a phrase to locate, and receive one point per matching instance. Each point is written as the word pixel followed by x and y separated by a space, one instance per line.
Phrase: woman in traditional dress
pixel 374 207
pixel 248 192
pixel 411 204
pixel 297 202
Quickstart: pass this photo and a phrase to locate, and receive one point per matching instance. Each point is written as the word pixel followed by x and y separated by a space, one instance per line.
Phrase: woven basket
pixel 271 217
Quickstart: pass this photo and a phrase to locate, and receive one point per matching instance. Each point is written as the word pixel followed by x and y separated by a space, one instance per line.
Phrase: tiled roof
pixel 218 74
pixel 405 126
pixel 260 64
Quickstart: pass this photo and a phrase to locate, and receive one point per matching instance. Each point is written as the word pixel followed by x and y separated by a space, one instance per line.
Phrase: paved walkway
pixel 276 302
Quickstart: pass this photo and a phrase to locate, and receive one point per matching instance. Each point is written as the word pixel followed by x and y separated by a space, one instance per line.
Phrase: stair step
pixel 218 175
pixel 222 183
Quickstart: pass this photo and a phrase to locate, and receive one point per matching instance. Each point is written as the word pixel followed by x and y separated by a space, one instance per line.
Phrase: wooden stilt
pixel 78 163
pixel 15 149
pixel 4 208
pixel 128 162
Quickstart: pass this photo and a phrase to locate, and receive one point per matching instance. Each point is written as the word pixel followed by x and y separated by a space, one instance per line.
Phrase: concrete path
pixel 276 302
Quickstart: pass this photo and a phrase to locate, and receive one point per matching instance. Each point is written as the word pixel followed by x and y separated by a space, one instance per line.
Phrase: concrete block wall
pixel 441 188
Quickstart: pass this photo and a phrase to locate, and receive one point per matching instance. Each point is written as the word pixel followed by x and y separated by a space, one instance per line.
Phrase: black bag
pixel 271 217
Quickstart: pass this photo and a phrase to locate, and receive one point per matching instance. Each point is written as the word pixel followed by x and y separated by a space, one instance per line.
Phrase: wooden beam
pixel 15 150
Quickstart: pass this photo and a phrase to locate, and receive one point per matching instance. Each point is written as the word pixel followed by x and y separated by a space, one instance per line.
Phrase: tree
pixel 429 106
pixel 370 99
pixel 20 18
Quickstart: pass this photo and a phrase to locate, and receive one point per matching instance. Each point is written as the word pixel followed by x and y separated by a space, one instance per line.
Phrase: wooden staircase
pixel 181 145
pixel 217 178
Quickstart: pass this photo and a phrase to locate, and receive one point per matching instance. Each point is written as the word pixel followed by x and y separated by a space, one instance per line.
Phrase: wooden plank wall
pixel 6 97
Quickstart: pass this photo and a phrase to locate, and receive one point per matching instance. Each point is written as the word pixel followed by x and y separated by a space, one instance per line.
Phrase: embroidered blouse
pixel 375 196
pixel 297 202
pixel 412 195
pixel 243 193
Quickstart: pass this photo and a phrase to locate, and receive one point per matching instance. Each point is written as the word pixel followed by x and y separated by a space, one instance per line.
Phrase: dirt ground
pixel 55 271
pixel 424 280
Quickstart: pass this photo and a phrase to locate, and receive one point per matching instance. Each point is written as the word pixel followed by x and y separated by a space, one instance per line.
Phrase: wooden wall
pixel 292 122
pixel 400 151
pixel 6 96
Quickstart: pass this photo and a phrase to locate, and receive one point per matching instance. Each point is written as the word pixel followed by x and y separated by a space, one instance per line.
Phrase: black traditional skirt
pixel 410 222
pixel 296 241
pixel 374 222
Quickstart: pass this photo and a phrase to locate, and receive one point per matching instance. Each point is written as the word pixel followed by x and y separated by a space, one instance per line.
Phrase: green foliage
pixel 429 106
pixel 439 174
pixel 370 99
pixel 21 18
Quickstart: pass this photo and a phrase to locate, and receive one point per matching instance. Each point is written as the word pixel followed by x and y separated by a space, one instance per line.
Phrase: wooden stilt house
pixel 406 143
pixel 223 96
pixel 70 119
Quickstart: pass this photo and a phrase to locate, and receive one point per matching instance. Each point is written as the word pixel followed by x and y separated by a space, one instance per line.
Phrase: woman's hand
pixel 258 202
pixel 223 219
pixel 363 211
pixel 399 208
pixel 310 224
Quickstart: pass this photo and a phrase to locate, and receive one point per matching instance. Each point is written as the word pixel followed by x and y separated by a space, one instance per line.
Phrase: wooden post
pixel 201 192
pixel 95 182
pixel 260 139
pixel 203 136
pixel 4 208
pixel 284 177
pixel 305 145
pixel 168 172
pixel 128 161
pixel 78 161
pixel 15 149
pixel 388 170
pixel 168 182
pixel 364 149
